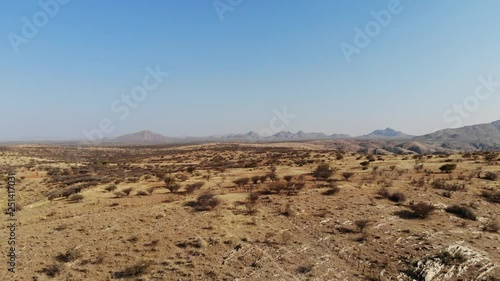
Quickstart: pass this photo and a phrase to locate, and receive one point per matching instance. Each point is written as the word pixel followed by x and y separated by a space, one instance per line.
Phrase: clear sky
pixel 227 74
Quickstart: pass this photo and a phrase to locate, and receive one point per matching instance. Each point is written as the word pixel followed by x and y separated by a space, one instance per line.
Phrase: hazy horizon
pixel 230 72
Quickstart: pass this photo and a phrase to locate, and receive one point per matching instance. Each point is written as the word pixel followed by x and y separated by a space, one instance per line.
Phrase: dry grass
pixel 249 211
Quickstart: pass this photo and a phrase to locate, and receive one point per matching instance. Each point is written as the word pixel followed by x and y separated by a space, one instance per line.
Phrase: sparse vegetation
pixel 191 188
pixel 120 194
pixel 111 188
pixel 150 190
pixel 450 259
pixel 52 270
pixel 462 211
pixel 347 175
pixel 287 211
pixel 142 193
pixel 384 192
pixel 135 270
pixel 241 182
pixel 361 225
pixel 69 256
pixel 492 226
pixel 75 198
pixel 304 269
pixel 323 172
pixel 491 196
pixel 173 187
pixel 422 210
pixel 397 197
pixel 127 190
pixel 448 168
pixel 331 191
pixel 273 202
pixel 492 176
pixel 205 202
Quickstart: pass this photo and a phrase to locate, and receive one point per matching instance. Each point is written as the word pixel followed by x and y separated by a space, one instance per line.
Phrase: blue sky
pixel 227 76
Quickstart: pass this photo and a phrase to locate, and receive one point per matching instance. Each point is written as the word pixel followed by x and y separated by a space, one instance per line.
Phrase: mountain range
pixel 476 137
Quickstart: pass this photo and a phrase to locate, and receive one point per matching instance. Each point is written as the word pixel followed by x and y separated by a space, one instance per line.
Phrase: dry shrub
pixel 450 259
pixel 191 188
pixel 255 179
pixel 127 190
pixel 323 171
pixel 447 193
pixel 67 192
pixel 135 270
pixel 294 188
pixel 491 196
pixel 331 191
pixel 304 269
pixel 110 188
pixel 361 225
pixel 441 184
pixel 169 180
pixel 422 210
pixel 150 190
pixel 397 197
pixel 492 176
pixel 241 181
pixel 69 256
pixel 277 187
pixel 288 211
pixel 253 197
pixel 205 202
pixel 384 192
pixel 263 179
pixel 347 175
pixel 142 193
pixel 286 237
pixel 52 270
pixel 251 204
pixel 448 168
pixel 173 187
pixel 491 226
pixel 75 198
pixel 462 212
pixel 120 194
pixel 272 176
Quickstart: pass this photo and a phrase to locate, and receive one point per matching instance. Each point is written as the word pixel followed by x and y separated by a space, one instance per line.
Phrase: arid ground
pixel 282 211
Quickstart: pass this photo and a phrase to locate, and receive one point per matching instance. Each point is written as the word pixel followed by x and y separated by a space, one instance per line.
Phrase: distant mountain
pixel 316 136
pixel 280 136
pixel 248 136
pixel 387 134
pixel 301 135
pixel 142 137
pixel 476 137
